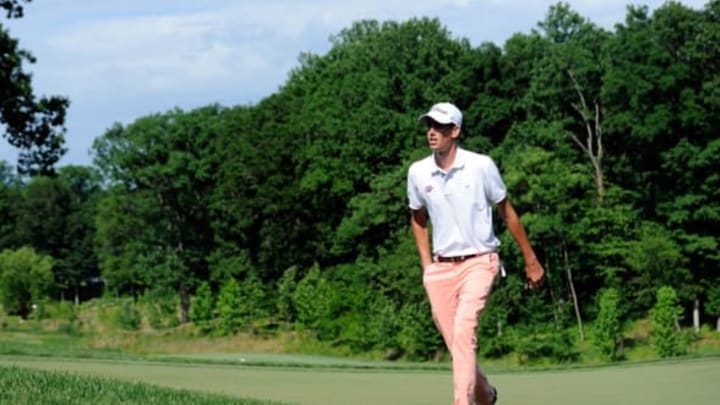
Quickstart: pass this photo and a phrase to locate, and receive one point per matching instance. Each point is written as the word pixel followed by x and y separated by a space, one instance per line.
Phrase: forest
pixel 292 213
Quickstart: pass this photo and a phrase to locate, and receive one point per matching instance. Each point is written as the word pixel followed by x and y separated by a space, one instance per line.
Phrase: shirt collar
pixel 458 163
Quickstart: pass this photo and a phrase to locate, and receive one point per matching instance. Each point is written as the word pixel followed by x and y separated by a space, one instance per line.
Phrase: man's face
pixel 441 136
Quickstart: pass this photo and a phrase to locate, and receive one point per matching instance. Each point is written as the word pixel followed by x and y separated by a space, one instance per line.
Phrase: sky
pixel 118 61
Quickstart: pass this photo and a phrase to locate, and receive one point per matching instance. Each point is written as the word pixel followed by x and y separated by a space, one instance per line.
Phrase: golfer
pixel 456 189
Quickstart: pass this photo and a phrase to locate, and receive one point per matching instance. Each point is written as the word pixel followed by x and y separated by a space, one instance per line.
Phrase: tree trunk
pixel 593 145
pixel 77 296
pixel 574 295
pixel 717 324
pixel 696 316
pixel 184 304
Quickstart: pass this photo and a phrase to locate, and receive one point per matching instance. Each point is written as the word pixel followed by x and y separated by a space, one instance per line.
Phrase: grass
pixel 687 381
pixel 247 366
pixel 25 386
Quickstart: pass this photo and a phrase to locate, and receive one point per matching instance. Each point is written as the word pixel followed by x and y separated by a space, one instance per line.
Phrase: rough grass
pixel 24 386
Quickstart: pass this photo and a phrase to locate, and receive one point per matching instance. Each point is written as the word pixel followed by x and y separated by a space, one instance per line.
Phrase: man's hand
pixel 535 274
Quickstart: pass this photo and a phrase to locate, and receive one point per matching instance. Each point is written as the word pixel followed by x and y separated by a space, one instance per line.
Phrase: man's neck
pixel 444 159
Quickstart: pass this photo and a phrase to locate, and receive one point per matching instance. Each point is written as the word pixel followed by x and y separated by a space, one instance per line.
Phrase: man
pixel 456 189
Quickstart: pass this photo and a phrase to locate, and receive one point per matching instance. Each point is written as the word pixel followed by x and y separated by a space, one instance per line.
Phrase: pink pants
pixel 457 294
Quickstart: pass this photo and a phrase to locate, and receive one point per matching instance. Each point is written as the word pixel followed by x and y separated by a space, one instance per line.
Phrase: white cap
pixel 444 113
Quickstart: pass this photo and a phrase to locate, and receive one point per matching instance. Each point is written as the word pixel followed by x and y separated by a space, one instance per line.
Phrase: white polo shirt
pixel 459 202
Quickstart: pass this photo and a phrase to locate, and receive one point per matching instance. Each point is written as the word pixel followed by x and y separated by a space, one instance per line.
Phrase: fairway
pixel 671 382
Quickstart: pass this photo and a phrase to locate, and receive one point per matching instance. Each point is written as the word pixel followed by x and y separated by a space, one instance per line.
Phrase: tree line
pixel 293 211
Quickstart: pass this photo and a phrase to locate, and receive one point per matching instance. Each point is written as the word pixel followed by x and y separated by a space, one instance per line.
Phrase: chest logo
pixel 428 188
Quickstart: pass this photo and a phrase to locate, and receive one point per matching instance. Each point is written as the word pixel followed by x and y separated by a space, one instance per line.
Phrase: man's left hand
pixel 535 274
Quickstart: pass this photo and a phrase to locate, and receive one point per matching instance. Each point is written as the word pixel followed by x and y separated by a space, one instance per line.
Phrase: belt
pixel 456 259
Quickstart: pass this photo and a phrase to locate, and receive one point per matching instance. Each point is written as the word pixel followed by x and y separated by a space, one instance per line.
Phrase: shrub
pixel 161 307
pixel 25 277
pixel 607 325
pixel 664 316
pixel 128 317
pixel 228 308
pixel 201 310
pixel 313 299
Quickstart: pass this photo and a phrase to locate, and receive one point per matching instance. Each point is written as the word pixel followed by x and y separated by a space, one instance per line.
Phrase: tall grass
pixel 23 386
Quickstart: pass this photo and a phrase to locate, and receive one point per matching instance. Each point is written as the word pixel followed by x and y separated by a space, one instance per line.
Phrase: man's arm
pixel 418 222
pixel 533 268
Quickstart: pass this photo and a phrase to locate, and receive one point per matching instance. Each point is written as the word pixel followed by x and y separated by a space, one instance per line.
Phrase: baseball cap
pixel 444 113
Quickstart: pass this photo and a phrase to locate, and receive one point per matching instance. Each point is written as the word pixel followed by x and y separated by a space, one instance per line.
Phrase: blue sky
pixel 120 60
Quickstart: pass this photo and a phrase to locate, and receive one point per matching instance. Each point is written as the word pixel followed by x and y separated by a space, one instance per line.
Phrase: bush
pixel 128 317
pixel 25 278
pixel 201 310
pixel 607 325
pixel 161 308
pixel 313 300
pixel 665 316
pixel 556 345
pixel 418 336
pixel 228 308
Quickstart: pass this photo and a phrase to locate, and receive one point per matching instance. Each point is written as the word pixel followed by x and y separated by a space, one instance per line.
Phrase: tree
pixel 607 325
pixel 35 126
pixel 25 279
pixel 665 316
pixel 229 308
pixel 10 197
pixel 313 299
pixel 162 168
pixel 14 8
pixel 202 309
pixel 78 261
pixel 713 304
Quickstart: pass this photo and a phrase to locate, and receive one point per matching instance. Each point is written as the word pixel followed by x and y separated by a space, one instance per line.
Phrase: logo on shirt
pixel 428 188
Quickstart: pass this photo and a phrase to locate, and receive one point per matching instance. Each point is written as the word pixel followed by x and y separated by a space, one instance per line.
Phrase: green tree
pixel 10 197
pixel 25 279
pixel 665 316
pixel 78 261
pixel 255 299
pixel 418 337
pixel 608 333
pixel 229 308
pixel 313 299
pixel 35 126
pixel 285 289
pixel 655 260
pixel 713 304
pixel 121 238
pixel 162 167
pixel 203 306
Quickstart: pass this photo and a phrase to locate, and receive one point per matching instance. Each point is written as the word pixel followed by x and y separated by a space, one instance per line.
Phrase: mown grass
pixel 22 386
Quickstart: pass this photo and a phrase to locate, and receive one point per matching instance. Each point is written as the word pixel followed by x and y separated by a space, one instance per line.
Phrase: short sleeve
pixel 493 182
pixel 414 198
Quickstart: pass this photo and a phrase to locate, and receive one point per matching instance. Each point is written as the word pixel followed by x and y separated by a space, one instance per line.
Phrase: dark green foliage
pixel 229 308
pixel 665 316
pixel 418 337
pixel 314 300
pixel 161 309
pixel 128 317
pixel 284 301
pixel 293 212
pixel 202 310
pixel 34 126
pixel 25 278
pixel 607 325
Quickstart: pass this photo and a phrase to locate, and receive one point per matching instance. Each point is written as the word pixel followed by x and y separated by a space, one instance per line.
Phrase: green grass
pixel 25 386
pixel 685 381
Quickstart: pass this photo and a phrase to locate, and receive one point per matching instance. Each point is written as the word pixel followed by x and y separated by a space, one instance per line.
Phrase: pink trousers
pixel 457 294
